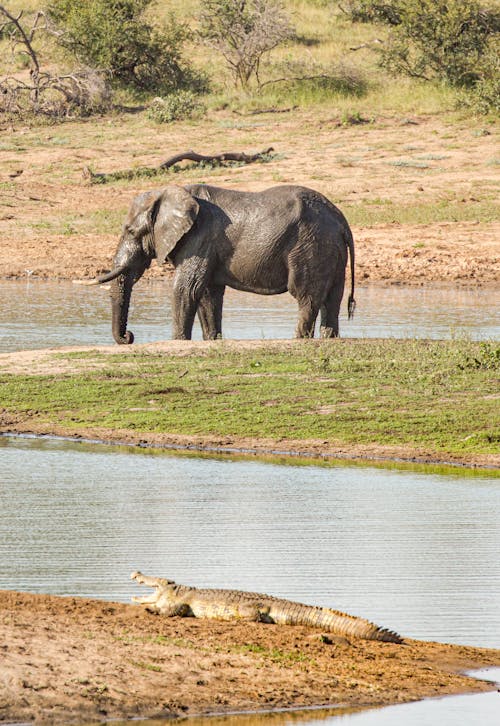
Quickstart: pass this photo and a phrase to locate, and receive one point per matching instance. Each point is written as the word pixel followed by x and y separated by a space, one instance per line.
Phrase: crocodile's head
pixel 161 587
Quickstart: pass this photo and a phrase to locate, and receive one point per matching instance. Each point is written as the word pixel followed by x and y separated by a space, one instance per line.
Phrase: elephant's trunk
pixel 121 289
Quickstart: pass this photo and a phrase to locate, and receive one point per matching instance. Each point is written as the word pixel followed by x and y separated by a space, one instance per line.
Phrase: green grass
pixel 380 211
pixel 441 395
pixel 282 657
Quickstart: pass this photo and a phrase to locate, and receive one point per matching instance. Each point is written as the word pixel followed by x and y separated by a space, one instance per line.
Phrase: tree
pixel 116 37
pixel 443 39
pixel 243 31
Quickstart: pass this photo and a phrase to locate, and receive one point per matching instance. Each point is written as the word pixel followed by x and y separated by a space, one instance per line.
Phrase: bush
pixel 243 31
pixel 444 39
pixel 370 11
pixel 175 107
pixel 484 96
pixel 115 36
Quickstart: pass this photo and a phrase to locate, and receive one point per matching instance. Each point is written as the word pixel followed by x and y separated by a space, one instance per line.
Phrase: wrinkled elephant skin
pixel 284 238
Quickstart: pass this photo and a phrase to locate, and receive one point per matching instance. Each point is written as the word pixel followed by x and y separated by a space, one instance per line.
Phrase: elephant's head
pixel 155 223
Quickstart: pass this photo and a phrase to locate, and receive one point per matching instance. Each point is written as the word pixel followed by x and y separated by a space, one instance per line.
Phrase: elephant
pixel 284 238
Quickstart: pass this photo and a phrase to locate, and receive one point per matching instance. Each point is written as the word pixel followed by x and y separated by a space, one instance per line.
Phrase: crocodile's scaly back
pixel 172 599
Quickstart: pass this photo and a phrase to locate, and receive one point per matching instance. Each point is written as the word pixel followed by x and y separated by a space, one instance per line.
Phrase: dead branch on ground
pixel 197 159
pixel 39 91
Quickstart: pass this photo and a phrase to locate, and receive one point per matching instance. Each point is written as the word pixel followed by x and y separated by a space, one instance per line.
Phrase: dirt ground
pixel 74 660
pixel 54 224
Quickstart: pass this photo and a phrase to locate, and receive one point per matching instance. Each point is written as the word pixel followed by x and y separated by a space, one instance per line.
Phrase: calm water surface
pixel 412 551
pixel 38 314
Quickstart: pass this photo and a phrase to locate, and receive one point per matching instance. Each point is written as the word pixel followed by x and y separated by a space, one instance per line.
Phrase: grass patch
pixel 146 666
pixel 441 395
pixel 385 211
pixel 281 657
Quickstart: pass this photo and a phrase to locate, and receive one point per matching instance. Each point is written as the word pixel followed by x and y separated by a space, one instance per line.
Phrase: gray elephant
pixel 284 238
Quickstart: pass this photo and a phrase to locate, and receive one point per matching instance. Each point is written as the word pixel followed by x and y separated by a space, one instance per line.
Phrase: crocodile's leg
pixel 168 609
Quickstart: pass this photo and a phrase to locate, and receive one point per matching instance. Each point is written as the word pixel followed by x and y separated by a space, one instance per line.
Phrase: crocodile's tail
pixel 343 624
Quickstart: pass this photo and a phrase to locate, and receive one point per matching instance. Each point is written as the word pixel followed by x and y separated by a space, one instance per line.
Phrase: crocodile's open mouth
pixel 155 582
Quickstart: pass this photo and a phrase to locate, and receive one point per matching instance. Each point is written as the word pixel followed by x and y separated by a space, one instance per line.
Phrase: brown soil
pixel 71 659
pixel 49 213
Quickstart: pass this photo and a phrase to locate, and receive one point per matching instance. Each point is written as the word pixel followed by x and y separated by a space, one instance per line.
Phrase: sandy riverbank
pixel 75 660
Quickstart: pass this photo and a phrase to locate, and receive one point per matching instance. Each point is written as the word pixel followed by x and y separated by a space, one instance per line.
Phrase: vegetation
pixel 302 53
pixel 437 395
pixel 116 37
pixel 183 104
pixel 243 31
pixel 36 89
pixel 456 41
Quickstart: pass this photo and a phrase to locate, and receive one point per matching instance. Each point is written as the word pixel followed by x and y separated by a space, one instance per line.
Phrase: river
pixel 38 314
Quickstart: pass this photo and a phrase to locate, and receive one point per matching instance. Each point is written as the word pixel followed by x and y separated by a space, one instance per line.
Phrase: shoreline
pixel 192 445
pixel 319 445
pixel 71 658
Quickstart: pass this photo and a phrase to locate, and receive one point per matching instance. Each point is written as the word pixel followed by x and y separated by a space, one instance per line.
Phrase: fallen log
pixel 148 171
pixel 215 159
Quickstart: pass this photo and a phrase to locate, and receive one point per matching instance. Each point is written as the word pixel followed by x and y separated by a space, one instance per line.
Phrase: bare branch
pixel 148 171
pixel 25 39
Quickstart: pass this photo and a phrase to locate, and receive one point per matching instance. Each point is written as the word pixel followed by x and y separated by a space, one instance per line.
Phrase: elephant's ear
pixel 173 214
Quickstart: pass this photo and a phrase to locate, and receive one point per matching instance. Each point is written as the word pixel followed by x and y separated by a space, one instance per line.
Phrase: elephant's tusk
pixel 86 282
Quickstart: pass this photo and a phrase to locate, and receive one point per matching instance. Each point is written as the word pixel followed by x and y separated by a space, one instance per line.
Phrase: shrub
pixel 176 106
pixel 371 11
pixel 243 31
pixel 444 39
pixel 115 36
pixel 484 96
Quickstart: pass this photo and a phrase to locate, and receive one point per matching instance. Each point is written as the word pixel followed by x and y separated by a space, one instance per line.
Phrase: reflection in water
pixel 412 551
pixel 44 314
pixel 271 718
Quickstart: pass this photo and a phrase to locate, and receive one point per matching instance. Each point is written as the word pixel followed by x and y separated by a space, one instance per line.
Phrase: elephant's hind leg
pixel 308 296
pixel 329 327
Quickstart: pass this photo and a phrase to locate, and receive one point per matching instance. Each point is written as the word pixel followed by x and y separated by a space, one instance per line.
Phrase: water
pixel 416 552
pixel 412 550
pixel 38 314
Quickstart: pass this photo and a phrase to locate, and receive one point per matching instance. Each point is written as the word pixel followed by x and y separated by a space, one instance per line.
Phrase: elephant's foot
pixel 126 339
pixel 327 332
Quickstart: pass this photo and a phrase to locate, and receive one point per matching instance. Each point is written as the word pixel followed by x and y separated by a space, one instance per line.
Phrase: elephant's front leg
pixel 190 281
pixel 210 311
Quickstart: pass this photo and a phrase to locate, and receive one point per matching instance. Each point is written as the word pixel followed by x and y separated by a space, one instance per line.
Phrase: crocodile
pixel 170 599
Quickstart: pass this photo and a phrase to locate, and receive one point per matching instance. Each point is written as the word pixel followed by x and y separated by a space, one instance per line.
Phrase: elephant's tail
pixel 349 240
